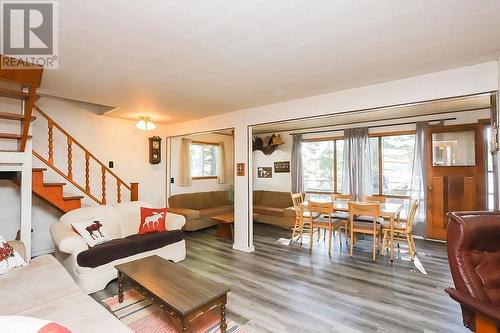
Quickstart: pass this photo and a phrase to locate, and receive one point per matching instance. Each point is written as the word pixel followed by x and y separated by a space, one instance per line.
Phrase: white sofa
pixel 120 221
pixel 44 289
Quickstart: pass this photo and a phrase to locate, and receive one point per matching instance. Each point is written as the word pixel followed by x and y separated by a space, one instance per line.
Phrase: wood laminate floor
pixel 282 288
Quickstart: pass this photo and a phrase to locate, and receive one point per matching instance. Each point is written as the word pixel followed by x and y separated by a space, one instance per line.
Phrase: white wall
pixel 450 83
pixel 280 181
pixel 201 185
pixel 108 139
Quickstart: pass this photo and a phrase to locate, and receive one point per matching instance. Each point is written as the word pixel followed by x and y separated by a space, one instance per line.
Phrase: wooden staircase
pixel 21 84
pixel 53 193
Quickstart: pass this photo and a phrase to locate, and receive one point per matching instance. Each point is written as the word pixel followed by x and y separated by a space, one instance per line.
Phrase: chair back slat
pixel 364 209
pixel 372 198
pixel 411 215
pixel 338 196
pixel 320 207
pixel 297 199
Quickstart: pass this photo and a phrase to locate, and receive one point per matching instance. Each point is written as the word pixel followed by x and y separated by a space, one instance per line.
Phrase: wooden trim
pixel 326 138
pixel 204 177
pixel 204 143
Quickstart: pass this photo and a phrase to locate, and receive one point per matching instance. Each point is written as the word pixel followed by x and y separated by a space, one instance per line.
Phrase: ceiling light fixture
pixel 145 124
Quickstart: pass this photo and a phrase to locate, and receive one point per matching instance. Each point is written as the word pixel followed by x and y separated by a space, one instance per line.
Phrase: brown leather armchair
pixel 474 256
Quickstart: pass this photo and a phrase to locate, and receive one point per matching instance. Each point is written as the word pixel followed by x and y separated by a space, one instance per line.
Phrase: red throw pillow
pixel 152 220
pixel 53 328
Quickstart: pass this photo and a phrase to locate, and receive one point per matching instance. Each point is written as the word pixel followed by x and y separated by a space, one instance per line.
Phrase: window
pixel 317 158
pixel 203 160
pixel 391 162
pixel 397 164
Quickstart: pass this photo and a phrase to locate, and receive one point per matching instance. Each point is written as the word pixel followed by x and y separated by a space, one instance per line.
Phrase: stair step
pixel 39 169
pixel 74 197
pixel 14 116
pixel 53 184
pixel 11 136
pixel 9 93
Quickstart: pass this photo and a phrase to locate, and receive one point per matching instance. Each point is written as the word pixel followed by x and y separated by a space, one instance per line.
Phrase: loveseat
pixel 274 208
pixel 199 207
pixel 44 289
pixel 93 268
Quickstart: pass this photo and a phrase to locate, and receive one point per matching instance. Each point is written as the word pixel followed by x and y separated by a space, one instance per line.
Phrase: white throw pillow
pixel 9 258
pixel 92 231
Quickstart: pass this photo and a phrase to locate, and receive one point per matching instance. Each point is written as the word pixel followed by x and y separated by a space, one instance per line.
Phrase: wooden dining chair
pixel 322 223
pixel 300 214
pixel 402 231
pixel 372 228
pixel 341 215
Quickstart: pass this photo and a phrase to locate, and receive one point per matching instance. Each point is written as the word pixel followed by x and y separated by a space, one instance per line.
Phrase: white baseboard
pixel 247 249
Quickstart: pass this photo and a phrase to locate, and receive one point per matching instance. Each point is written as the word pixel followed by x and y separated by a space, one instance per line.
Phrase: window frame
pixel 210 144
pixel 379 137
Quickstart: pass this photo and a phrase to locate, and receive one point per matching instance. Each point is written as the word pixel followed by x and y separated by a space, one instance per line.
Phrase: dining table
pixel 388 210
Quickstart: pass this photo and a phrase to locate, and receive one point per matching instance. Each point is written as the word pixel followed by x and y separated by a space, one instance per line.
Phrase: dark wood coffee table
pixel 178 291
pixel 225 227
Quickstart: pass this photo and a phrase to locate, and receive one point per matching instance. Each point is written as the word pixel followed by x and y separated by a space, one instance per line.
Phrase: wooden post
pixel 103 171
pixel 28 109
pixel 134 192
pixel 87 171
pixel 51 141
pixel 70 158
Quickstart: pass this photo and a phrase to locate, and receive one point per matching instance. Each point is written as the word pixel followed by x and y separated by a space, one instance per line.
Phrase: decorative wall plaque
pixel 283 166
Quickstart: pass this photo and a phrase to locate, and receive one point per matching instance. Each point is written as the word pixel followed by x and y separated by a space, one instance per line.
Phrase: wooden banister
pixel 105 171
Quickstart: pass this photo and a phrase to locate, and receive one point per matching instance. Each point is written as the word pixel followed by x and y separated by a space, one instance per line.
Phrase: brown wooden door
pixel 456 174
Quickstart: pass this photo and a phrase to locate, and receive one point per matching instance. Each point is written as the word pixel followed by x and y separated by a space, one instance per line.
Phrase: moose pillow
pixel 9 258
pixel 152 220
pixel 92 231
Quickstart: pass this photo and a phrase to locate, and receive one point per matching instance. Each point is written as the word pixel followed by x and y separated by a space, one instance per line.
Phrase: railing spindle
pixel 70 158
pixel 87 171
pixel 51 141
pixel 103 171
pixel 118 191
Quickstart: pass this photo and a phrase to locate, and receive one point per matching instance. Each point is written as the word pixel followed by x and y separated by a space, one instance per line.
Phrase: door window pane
pixel 397 164
pixel 453 149
pixel 317 160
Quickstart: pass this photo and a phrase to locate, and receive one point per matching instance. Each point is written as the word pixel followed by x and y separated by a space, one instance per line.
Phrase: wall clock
pixel 155 150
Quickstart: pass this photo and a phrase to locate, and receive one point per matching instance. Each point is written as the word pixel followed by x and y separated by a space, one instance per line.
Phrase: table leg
pixel 223 324
pixel 184 325
pixel 120 287
pixel 392 238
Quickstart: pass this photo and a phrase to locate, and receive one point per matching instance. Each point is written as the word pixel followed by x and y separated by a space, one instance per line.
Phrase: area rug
pixel 141 316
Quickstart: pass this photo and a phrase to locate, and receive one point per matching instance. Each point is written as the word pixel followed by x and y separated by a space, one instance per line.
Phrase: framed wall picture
pixel 265 172
pixel 240 169
pixel 282 167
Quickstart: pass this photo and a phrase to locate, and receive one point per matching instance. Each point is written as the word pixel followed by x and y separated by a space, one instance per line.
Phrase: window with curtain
pixel 391 162
pixel 203 160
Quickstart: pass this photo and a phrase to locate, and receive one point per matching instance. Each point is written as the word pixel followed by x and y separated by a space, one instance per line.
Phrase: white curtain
pixel 419 177
pixel 297 172
pixel 221 163
pixel 357 173
pixel 185 172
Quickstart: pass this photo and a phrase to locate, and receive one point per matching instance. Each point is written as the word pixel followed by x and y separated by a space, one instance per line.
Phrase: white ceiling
pixel 187 59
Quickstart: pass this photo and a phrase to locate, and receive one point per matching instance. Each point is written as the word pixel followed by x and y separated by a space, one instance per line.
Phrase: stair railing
pixel 85 188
